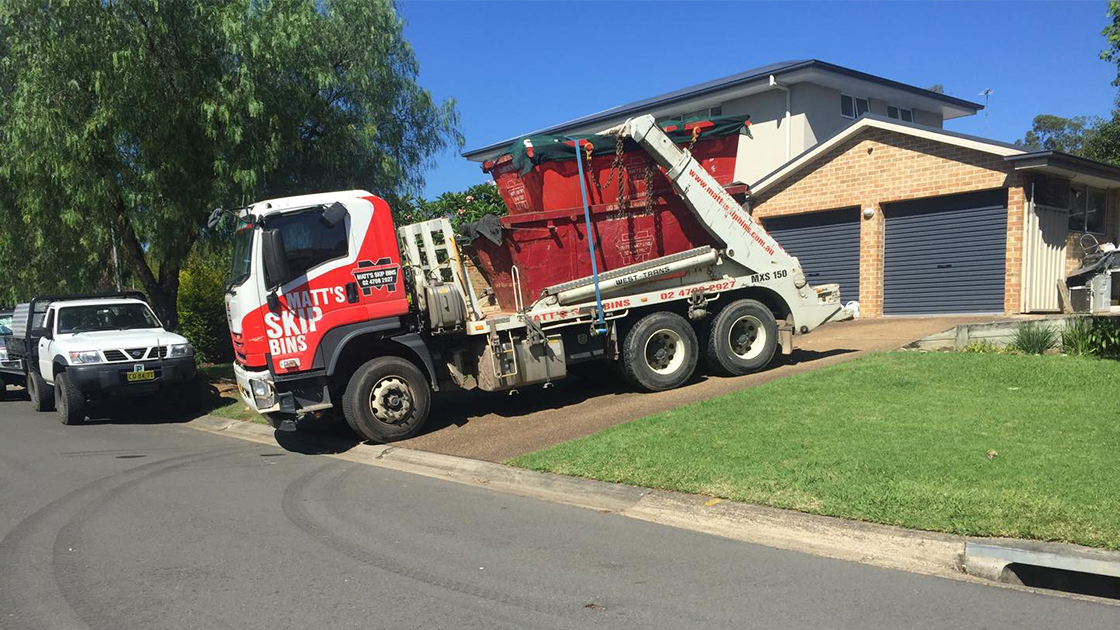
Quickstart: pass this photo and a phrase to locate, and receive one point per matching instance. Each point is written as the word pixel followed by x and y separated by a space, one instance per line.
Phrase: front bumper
pixel 245 380
pixel 287 398
pixel 111 378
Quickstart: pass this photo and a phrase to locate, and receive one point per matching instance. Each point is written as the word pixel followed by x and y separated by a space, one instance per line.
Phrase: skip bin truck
pixel 331 306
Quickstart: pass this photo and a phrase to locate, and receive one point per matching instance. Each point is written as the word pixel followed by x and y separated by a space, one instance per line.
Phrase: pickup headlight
pixel 181 350
pixel 85 356
pixel 3 351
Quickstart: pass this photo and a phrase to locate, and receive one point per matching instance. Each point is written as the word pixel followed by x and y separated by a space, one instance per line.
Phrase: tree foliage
pixel 458 207
pixel 1056 133
pixel 139 116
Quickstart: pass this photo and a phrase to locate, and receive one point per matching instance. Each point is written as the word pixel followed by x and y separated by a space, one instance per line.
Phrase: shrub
pixel 1106 336
pixel 202 310
pixel 1078 337
pixel 1034 338
pixel 982 347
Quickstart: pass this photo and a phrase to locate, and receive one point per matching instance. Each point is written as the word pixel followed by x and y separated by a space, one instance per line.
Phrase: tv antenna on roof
pixel 986 94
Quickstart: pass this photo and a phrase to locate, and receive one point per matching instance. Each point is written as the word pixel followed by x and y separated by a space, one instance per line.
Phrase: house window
pixel 852 106
pixel 1086 209
pixel 899 113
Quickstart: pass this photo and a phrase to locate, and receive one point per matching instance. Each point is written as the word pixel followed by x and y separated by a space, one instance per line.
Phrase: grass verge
pixel 226 403
pixel 972 444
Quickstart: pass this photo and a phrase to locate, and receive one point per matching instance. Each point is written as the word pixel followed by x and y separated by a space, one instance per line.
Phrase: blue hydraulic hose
pixel 600 326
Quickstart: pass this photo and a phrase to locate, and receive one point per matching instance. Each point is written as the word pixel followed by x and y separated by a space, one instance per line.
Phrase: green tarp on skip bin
pixel 559 148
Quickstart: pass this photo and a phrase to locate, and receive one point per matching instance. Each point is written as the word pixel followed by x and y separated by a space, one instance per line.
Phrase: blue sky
pixel 515 67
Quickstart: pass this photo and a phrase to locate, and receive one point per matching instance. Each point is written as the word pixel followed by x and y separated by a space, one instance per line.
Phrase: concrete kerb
pixel 929 553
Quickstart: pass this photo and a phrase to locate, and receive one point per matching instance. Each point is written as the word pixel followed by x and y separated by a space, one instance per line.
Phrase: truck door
pixel 44 348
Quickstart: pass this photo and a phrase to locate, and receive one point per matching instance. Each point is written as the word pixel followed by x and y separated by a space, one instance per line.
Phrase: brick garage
pixel 877 164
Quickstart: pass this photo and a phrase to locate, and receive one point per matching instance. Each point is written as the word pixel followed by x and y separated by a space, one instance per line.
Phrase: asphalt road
pixel 134 523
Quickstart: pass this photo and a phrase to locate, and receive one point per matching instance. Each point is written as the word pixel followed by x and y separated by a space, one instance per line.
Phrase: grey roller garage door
pixel 945 254
pixel 826 243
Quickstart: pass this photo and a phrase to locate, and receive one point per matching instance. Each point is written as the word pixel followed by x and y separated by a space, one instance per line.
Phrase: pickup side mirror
pixel 41 332
pixel 275 258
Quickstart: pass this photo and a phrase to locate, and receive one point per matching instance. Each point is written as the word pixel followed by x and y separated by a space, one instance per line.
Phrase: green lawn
pixel 901 438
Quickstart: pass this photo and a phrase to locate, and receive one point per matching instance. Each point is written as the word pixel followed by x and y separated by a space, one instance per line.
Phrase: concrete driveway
pixel 497 427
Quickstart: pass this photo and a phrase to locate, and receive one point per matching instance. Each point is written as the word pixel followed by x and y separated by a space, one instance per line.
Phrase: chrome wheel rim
pixel 391 400
pixel 747 337
pixel 665 351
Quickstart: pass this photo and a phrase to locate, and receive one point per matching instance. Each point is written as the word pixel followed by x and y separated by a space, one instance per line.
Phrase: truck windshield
pixel 242 254
pixel 5 324
pixel 96 317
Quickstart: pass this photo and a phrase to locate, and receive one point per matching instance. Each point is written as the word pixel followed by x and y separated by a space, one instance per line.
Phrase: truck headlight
pixel 181 350
pixel 263 394
pixel 3 352
pixel 85 356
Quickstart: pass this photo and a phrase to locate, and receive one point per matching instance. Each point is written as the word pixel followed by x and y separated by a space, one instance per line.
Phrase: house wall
pixel 814 117
pixel 877 167
pixel 766 151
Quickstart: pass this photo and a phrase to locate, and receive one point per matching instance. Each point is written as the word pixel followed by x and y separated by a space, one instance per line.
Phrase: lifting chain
pixel 649 185
pixel 695 136
pixel 616 169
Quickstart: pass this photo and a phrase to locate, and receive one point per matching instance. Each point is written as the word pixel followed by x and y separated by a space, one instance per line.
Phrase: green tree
pixel 139 116
pixel 458 207
pixel 1056 133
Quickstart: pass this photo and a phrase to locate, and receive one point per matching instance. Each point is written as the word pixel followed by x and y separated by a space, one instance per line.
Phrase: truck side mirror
pixel 41 332
pixel 215 218
pixel 275 258
pixel 334 214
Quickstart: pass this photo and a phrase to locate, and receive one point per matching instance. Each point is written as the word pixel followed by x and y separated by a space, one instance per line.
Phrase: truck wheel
pixel 744 336
pixel 659 352
pixel 42 398
pixel 69 400
pixel 387 399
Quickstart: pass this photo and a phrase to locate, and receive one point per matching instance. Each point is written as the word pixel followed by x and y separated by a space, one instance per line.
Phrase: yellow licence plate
pixel 147 375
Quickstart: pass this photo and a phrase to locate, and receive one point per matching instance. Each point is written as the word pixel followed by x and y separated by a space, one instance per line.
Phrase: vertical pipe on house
pixel 789 129
pixel 1027 250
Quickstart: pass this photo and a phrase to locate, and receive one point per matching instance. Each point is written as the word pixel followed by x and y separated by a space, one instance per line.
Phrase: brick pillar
pixel 871 262
pixel 1013 275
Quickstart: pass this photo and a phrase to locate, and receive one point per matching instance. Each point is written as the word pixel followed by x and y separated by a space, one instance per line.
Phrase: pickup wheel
pixel 42 398
pixel 659 352
pixel 69 400
pixel 743 338
pixel 387 399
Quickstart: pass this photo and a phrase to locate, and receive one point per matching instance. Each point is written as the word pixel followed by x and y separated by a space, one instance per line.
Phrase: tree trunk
pixel 163 292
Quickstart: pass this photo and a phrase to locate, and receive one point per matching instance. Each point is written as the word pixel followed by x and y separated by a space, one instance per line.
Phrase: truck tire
pixel 387 399
pixel 742 339
pixel 659 352
pixel 41 392
pixel 69 400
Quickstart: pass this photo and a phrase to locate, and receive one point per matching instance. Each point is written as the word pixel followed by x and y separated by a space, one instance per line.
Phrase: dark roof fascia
pixel 716 85
pixel 856 74
pixel 1058 159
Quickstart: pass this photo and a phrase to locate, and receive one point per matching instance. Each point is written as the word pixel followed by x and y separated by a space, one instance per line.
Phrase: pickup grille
pixel 136 354
pixel 113 356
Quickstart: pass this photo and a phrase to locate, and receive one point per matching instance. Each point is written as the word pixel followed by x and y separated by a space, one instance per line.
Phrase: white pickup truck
pixel 71 349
